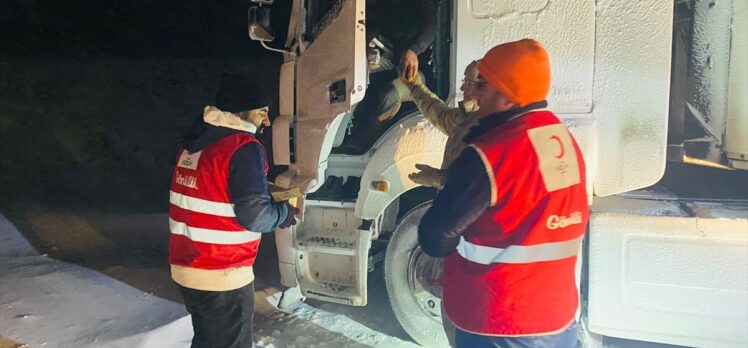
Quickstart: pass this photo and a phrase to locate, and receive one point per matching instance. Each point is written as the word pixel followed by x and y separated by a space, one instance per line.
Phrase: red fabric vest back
pixel 204 231
pixel 513 271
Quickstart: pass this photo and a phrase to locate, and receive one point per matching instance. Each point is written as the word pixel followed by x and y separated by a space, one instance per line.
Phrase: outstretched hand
pixel 417 80
pixel 409 66
pixel 427 176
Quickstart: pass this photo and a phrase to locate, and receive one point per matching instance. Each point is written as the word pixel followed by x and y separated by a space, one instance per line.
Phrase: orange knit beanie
pixel 519 70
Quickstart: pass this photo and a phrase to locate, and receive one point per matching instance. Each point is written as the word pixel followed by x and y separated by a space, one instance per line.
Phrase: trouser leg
pixel 449 327
pixel 221 318
pixel 567 338
pixel 564 339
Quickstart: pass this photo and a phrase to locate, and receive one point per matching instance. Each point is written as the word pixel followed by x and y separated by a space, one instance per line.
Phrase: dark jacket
pixel 408 24
pixel 466 193
pixel 248 184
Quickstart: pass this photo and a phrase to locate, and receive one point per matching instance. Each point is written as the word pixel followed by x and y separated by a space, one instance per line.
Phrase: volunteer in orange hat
pixel 513 212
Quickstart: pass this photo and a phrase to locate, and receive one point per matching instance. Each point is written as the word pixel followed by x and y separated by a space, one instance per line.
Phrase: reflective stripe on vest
pixel 486 255
pixel 205 235
pixel 201 205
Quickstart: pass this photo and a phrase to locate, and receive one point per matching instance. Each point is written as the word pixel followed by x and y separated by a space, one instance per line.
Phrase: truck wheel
pixel 418 311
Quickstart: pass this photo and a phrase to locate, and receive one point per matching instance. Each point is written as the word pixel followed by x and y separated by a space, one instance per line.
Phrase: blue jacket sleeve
pixel 466 195
pixel 249 191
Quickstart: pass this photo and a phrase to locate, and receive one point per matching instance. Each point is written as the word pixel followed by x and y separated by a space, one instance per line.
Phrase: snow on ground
pixel 49 303
pixel 342 325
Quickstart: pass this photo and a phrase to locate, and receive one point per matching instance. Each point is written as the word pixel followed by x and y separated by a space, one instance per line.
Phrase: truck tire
pixel 418 312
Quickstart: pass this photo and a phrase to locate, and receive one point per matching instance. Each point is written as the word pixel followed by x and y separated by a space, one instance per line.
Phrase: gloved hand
pixel 417 80
pixel 428 176
pixel 291 218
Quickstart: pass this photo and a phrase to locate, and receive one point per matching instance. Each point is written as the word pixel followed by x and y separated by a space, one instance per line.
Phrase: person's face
pixel 490 100
pixel 259 117
pixel 469 89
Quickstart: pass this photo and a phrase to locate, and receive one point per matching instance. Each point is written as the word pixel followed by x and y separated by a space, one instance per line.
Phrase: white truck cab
pixel 642 85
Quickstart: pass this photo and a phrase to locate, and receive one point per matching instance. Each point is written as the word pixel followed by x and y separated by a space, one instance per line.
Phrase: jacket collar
pixel 219 118
pixel 213 126
pixel 494 120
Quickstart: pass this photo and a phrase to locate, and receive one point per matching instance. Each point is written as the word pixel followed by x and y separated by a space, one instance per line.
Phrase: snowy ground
pixel 129 301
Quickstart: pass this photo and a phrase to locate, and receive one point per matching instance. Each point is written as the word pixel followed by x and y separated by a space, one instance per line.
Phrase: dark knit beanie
pixel 240 93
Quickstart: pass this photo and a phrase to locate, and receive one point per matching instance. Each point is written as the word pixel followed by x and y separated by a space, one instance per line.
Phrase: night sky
pixel 134 29
pixel 94 95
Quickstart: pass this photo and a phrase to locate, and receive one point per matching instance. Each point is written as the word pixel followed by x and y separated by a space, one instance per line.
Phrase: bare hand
pixel 291 218
pixel 409 65
pixel 427 176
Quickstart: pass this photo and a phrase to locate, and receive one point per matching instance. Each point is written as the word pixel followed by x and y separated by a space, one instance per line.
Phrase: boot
pixel 291 298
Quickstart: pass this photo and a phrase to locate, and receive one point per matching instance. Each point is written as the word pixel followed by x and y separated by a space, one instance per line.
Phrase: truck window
pixel 319 14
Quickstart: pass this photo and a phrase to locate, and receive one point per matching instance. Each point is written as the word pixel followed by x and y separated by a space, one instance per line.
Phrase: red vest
pixel 204 231
pixel 513 272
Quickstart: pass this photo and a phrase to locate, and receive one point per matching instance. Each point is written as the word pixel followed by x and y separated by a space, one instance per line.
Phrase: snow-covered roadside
pixel 341 324
pixel 49 303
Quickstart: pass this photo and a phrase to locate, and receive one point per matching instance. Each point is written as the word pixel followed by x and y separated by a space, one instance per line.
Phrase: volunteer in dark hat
pixel 513 212
pixel 219 207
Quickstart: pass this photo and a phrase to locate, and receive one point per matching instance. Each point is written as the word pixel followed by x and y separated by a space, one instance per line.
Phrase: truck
pixel 655 93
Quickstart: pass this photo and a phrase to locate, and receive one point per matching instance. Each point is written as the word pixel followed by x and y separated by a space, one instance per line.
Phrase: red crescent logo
pixel 560 145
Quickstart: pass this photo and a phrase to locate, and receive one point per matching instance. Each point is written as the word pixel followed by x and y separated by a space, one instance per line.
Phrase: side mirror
pixel 259 22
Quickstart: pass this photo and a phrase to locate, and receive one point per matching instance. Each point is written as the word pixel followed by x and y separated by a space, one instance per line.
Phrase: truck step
pixel 332 254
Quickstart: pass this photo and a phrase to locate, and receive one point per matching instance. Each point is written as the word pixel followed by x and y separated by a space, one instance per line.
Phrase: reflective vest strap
pixel 205 235
pixel 201 205
pixel 486 255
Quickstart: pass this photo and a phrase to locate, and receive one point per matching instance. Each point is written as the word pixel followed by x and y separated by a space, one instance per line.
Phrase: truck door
pixel 330 253
pixel 330 79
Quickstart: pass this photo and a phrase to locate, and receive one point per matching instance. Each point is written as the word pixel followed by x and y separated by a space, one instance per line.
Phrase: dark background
pixel 95 94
